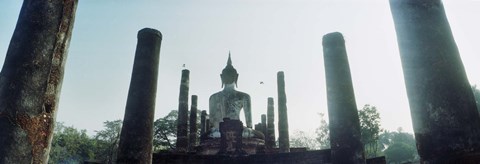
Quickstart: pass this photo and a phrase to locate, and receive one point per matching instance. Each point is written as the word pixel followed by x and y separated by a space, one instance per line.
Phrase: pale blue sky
pixel 263 36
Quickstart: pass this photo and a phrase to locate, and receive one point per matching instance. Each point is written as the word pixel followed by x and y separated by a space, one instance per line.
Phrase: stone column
pixel 258 127
pixel 445 120
pixel 207 125
pixel 264 124
pixel 203 123
pixel 283 138
pixel 345 138
pixel 182 122
pixel 270 136
pixel 231 138
pixel 31 79
pixel 193 124
pixel 136 138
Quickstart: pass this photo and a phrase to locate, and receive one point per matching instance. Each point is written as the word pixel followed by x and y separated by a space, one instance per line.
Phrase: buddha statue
pixel 229 102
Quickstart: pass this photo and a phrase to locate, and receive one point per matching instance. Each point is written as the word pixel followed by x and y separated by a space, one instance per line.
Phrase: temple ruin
pixel 445 119
pixel 226 139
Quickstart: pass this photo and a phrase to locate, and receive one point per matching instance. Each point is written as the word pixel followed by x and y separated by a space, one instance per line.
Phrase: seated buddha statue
pixel 229 102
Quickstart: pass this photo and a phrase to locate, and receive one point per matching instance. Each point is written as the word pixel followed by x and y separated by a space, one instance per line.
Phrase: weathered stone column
pixel 264 124
pixel 258 127
pixel 182 122
pixel 31 79
pixel 136 138
pixel 207 125
pixel 283 138
pixel 231 138
pixel 193 124
pixel 345 138
pixel 203 123
pixel 270 136
pixel 442 105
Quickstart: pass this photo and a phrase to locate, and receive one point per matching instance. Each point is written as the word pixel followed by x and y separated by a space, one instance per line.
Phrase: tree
pixel 370 129
pixel 165 132
pixel 476 94
pixel 107 141
pixel 323 133
pixel 399 152
pixel 398 146
pixel 303 139
pixel 70 145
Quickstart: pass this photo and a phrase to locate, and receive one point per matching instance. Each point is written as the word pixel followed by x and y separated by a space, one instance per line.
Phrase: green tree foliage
pixel 165 132
pixel 476 93
pixel 399 152
pixel 370 129
pixel 107 141
pixel 70 145
pixel 398 146
pixel 323 133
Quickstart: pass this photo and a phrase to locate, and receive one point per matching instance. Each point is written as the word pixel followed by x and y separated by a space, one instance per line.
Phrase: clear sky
pixel 264 37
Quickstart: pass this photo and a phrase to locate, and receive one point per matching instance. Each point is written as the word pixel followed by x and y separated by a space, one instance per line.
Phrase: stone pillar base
pixel 249 146
pixel 231 142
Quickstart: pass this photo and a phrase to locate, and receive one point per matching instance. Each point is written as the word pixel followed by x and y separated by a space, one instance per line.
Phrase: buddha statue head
pixel 229 74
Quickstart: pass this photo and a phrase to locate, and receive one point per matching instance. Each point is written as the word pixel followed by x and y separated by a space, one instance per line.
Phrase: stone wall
pixel 306 157
pixel 317 156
